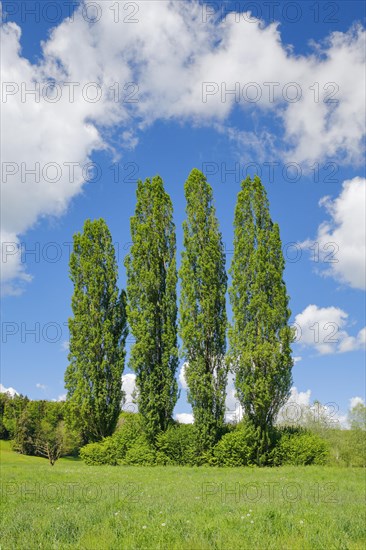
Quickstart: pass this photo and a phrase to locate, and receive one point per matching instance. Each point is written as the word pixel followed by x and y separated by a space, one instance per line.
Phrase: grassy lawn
pixel 72 505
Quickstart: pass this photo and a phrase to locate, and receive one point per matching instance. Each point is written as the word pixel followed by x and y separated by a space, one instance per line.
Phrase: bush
pixel 140 453
pixel 128 444
pixel 129 430
pixel 300 448
pixel 177 445
pixel 346 447
pixel 96 454
pixel 236 448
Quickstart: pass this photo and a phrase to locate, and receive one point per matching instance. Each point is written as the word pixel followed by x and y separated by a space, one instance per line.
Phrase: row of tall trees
pixel 259 335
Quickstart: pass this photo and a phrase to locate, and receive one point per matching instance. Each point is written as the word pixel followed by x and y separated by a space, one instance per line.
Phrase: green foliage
pixel 129 429
pixel 141 453
pixel 260 338
pixel 10 410
pixel 97 334
pixel 177 445
pixel 152 308
pixel 54 440
pixel 40 430
pixel 36 417
pixel 357 417
pixel 300 448
pixel 346 447
pixel 237 448
pixel 203 311
pixel 97 454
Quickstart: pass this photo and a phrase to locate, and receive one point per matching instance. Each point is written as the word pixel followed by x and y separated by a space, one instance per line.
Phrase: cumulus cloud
pixel 233 409
pixel 42 387
pixel 354 401
pixel 182 377
pixel 323 328
pixel 295 407
pixel 11 391
pixel 172 63
pixel 129 388
pixel 184 418
pixel 299 410
pixel 341 241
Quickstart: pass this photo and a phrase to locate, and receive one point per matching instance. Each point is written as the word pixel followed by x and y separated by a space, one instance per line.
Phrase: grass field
pixel 72 505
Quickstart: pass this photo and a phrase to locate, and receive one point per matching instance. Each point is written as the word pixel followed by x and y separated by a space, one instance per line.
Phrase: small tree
pixel 52 442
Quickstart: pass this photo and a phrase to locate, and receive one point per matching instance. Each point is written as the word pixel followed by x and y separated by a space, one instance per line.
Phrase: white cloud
pixel 62 397
pixel 341 241
pixel 323 328
pixel 168 55
pixel 295 407
pixel 129 387
pixel 297 359
pixel 234 411
pixel 11 391
pixel 299 410
pixel 354 401
pixel 302 398
pixel 182 378
pixel 184 418
pixel 42 387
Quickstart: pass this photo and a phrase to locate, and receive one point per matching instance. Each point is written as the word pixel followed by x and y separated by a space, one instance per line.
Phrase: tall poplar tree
pixel 152 305
pixel 202 311
pixel 260 337
pixel 98 331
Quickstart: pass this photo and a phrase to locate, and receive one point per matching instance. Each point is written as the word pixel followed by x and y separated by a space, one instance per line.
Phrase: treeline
pixel 38 428
pixel 259 351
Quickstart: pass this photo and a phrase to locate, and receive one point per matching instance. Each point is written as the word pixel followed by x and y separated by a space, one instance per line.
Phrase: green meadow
pixel 71 505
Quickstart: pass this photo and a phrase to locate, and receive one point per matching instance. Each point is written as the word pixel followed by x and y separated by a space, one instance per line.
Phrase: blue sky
pixel 180 59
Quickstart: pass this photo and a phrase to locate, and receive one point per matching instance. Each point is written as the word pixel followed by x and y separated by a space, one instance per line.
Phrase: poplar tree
pixel 203 312
pixel 98 331
pixel 260 337
pixel 152 305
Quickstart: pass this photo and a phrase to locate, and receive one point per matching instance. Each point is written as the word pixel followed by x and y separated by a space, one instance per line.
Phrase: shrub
pixel 346 447
pixel 299 448
pixel 140 453
pixel 129 430
pixel 96 454
pixel 236 448
pixel 177 445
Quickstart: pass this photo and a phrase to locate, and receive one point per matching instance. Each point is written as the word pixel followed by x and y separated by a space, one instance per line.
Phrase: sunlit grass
pixel 72 505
